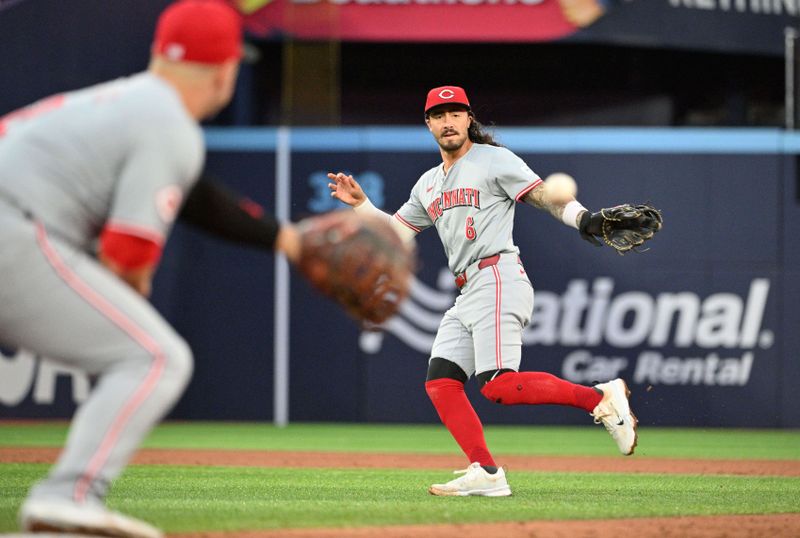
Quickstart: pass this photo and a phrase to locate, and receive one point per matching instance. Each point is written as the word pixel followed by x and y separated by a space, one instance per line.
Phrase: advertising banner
pixel 754 26
pixel 693 333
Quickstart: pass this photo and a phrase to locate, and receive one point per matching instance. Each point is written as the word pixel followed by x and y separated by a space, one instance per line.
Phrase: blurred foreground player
pixel 107 168
pixel 105 171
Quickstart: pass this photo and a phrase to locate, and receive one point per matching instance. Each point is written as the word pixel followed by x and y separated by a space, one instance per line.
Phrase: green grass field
pixel 185 498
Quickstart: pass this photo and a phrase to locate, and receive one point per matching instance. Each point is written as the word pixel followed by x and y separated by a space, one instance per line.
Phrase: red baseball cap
pixel 446 95
pixel 202 31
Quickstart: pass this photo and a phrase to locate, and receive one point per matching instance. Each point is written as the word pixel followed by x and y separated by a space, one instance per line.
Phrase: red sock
pixel 512 388
pixel 459 417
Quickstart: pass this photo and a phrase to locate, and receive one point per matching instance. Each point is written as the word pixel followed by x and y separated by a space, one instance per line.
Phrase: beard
pixel 451 143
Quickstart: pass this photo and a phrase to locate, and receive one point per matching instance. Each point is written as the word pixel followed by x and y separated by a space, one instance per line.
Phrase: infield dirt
pixel 578 464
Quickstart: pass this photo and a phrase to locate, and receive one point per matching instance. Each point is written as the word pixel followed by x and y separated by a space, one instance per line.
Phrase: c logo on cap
pixel 447 94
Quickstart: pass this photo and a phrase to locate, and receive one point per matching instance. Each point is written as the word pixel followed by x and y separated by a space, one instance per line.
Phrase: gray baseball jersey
pixel 119 154
pixel 472 206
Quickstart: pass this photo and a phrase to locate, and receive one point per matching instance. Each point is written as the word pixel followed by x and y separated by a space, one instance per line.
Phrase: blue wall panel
pixel 220 298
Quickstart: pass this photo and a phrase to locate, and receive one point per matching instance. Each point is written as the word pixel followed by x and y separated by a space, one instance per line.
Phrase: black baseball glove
pixel 624 227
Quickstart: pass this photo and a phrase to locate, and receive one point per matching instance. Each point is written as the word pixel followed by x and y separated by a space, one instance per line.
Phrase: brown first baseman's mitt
pixel 361 263
pixel 624 227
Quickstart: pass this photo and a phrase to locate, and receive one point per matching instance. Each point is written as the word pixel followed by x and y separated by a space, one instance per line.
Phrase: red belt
pixel 461 278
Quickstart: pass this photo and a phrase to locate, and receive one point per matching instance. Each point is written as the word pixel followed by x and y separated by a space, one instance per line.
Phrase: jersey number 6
pixel 469 231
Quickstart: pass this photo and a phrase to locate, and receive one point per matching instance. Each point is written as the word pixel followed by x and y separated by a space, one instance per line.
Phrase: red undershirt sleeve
pixel 129 251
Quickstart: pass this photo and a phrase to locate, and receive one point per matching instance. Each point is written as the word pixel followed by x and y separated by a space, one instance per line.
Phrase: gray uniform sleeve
pixel 161 168
pixel 413 214
pixel 512 176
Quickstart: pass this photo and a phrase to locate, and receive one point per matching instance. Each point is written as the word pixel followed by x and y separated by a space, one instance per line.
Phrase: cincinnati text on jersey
pixel 464 196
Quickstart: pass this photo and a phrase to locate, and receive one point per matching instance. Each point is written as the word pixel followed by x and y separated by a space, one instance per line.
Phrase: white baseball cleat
pixel 62 516
pixel 614 412
pixel 476 481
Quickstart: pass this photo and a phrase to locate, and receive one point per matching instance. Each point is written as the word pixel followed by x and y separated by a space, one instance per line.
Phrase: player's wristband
pixel 571 212
pixel 405 233
pixel 366 207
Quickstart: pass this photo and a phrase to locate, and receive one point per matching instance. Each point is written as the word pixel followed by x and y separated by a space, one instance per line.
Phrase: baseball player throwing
pixel 470 199
pixel 110 165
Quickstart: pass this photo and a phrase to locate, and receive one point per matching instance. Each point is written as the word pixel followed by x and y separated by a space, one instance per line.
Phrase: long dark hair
pixel 478 135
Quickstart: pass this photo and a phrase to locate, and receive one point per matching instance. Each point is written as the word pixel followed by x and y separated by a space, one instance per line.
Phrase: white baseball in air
pixel 561 187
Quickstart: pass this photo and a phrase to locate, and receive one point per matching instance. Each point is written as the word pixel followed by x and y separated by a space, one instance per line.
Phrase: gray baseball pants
pixel 59 302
